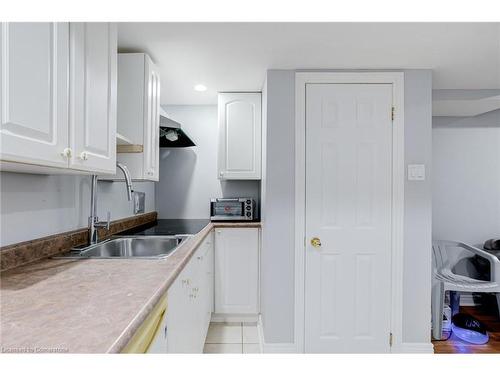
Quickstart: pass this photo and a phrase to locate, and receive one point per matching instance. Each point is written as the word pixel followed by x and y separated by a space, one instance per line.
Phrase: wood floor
pixel 455 345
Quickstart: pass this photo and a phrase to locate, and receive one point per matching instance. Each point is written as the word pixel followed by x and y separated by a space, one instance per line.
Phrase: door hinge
pixel 390 339
pixel 392 113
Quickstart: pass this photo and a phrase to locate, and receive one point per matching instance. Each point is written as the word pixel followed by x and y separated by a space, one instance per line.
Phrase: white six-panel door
pixel 348 208
pixel 93 65
pixel 34 96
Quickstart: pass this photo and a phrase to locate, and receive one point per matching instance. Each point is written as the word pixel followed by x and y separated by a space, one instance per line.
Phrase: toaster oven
pixel 232 209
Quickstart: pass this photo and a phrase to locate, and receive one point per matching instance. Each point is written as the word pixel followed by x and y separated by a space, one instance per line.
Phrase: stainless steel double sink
pixel 136 247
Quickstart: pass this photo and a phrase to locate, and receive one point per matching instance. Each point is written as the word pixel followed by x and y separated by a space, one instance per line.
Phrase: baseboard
pixel 273 347
pixel 407 347
pixel 415 348
pixel 234 318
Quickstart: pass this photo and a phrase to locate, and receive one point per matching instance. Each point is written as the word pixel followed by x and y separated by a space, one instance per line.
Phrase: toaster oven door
pixel 227 209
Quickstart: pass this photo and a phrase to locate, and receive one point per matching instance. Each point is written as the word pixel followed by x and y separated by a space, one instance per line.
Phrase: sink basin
pixel 154 247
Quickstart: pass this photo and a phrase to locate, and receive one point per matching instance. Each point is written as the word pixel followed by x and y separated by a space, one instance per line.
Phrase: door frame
pixel 398 180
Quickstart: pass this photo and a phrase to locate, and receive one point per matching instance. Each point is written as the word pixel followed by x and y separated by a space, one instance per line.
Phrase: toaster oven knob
pixel 248 208
pixel 249 214
pixel 249 201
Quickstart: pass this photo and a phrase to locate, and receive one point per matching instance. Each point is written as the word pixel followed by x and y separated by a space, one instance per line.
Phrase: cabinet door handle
pixel 66 153
pixel 84 156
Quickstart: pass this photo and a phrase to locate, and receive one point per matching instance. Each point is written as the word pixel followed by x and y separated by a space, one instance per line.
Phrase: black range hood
pixel 171 134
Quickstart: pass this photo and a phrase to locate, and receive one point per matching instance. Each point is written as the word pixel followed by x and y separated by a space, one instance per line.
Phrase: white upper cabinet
pixel 93 48
pixel 152 121
pixel 34 96
pixel 139 115
pixel 240 128
pixel 58 97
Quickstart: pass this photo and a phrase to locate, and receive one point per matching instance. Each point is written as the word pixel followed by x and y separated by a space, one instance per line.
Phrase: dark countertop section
pixel 166 227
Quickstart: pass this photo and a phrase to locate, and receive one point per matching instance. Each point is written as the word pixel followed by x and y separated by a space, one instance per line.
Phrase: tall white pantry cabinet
pixel 58 97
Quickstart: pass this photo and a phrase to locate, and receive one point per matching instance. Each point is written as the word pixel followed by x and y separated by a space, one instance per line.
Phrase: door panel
pixel 34 98
pixel 348 206
pixel 93 96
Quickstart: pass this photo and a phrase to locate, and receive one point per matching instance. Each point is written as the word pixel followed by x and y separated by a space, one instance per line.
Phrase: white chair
pixel 445 280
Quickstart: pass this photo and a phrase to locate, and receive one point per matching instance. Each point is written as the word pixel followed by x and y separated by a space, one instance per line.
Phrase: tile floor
pixel 242 338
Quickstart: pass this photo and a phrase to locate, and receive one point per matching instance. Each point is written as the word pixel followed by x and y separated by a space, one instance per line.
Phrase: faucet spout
pixel 128 179
pixel 94 222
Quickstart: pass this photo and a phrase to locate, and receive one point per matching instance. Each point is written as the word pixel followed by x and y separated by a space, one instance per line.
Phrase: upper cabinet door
pixel 151 121
pixel 240 127
pixel 93 64
pixel 34 96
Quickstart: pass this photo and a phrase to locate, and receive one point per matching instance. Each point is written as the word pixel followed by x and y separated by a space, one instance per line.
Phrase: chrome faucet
pixel 94 222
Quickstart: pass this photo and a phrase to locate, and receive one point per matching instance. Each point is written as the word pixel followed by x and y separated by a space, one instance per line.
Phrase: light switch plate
pixel 139 202
pixel 416 172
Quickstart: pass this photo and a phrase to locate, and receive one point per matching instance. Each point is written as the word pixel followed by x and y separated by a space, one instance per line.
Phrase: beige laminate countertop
pixel 86 305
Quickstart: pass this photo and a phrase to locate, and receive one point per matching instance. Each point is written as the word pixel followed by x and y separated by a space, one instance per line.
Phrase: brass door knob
pixel 315 242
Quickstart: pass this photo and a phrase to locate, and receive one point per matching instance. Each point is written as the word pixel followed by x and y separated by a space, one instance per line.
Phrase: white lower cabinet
pixel 190 302
pixel 222 276
pixel 237 270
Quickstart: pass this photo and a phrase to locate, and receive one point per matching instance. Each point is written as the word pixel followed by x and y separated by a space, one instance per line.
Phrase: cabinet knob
pixel 66 153
pixel 84 155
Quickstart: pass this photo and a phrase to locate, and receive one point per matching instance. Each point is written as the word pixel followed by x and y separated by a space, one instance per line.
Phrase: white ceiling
pixel 235 56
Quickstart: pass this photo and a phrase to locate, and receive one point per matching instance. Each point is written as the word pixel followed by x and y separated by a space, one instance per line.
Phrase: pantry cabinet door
pixel 34 93
pixel 93 64
pixel 151 121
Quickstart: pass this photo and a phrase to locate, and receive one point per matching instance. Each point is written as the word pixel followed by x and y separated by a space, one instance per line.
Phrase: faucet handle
pixel 108 220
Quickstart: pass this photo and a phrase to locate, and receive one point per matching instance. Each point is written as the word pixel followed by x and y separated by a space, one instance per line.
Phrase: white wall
pixel 188 176
pixel 277 276
pixel 34 206
pixel 466 183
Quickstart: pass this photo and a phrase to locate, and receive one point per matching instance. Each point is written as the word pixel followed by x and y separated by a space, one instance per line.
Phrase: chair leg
pixel 498 304
pixel 437 310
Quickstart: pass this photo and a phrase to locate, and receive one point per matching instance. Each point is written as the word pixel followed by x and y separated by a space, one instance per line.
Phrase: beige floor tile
pixel 250 334
pixel 222 348
pixel 251 348
pixel 221 333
